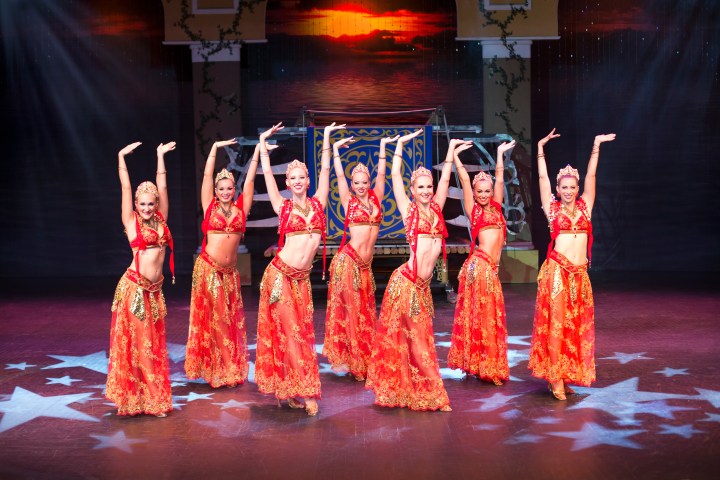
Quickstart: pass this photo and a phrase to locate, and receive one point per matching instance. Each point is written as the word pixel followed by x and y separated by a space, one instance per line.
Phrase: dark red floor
pixel 653 413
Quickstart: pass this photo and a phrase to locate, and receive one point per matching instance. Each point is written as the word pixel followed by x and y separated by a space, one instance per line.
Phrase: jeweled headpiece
pixel 223 174
pixel 568 171
pixel 147 187
pixel 360 168
pixel 296 164
pixel 481 177
pixel 420 172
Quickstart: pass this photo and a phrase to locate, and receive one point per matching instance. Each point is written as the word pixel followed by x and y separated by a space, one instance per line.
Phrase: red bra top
pixel 357 214
pixel 559 222
pixel 291 223
pixel 146 237
pixel 215 222
pixel 480 219
pixel 417 224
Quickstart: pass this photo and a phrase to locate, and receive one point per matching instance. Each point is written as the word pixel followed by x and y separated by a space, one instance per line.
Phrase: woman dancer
pixel 286 363
pixel 563 340
pixel 217 345
pixel 350 318
pixel 404 370
pixel 479 339
pixel 138 371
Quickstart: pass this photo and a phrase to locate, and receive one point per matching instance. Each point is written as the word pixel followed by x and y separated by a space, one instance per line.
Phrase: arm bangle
pixel 161 173
pixel 122 168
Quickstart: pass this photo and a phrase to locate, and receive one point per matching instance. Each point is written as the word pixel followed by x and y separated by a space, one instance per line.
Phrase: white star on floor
pixel 659 408
pixel 711 417
pixel 233 404
pixel 227 425
pixel 176 352
pixel 518 339
pixel 18 366
pixel 671 372
pixel 618 397
pixel 516 357
pixel 116 440
pixel 327 368
pixel 441 334
pixel 712 396
pixel 494 402
pixel 510 414
pixel 485 426
pixel 319 348
pixel 547 420
pixel 524 438
pixel 449 373
pixel 97 362
pixel 624 358
pixel 192 396
pixel 443 344
pixel 66 380
pixel 592 434
pixel 685 431
pixel 25 405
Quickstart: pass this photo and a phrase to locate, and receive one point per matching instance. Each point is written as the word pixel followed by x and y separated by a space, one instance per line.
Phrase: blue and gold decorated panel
pixel 365 149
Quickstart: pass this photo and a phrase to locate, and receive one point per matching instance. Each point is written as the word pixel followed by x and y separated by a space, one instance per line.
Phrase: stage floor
pixel 653 413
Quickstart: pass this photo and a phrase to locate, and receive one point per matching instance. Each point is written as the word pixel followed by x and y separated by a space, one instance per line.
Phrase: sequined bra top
pixel 481 219
pixel 290 223
pixel 148 237
pixel 215 221
pixel 420 225
pixel 358 214
pixel 560 222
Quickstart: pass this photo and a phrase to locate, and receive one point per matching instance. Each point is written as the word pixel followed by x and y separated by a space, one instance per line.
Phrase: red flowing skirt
pixel 350 318
pixel 216 349
pixel 138 378
pixel 479 337
pixel 404 369
pixel 286 362
pixel 563 341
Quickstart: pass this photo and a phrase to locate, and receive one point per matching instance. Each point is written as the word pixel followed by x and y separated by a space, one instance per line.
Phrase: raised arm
pixel 127 200
pixel 455 145
pixel 465 183
pixel 401 198
pixel 343 188
pixel 207 191
pixel 590 177
pixel 543 178
pixel 499 189
pixel 161 178
pixel 249 185
pixel 323 187
pixel 273 193
pixel 379 188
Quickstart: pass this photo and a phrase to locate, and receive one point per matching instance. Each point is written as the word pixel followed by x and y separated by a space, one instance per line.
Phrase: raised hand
pixel 462 146
pixel 225 143
pixel 343 143
pixel 163 148
pixel 409 136
pixel 604 138
pixel 386 140
pixel 332 127
pixel 271 131
pixel 129 148
pixel 505 146
pixel 549 137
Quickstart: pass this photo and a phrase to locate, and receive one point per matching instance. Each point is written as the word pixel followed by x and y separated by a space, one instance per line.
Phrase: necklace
pixel 226 213
pixel 367 208
pixel 570 213
pixel 305 211
pixel 152 223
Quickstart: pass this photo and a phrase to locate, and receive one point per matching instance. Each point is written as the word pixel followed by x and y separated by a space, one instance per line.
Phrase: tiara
pixel 146 187
pixel 223 174
pixel 360 168
pixel 420 172
pixel 568 171
pixel 481 177
pixel 296 164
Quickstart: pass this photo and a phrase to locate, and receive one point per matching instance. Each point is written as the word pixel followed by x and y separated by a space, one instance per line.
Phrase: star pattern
pixel 233 404
pixel 685 431
pixel 66 380
pixel 494 402
pixel 192 396
pixel 18 366
pixel 524 438
pixel 116 440
pixel 619 398
pixel 712 396
pixel 25 405
pixel 671 372
pixel 518 339
pixel 624 358
pixel 228 426
pixel 711 417
pixel 592 434
pixel 485 426
pixel 97 362
pixel 516 357
pixel 176 352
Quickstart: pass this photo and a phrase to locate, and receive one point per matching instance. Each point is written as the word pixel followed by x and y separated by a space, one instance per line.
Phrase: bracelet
pixel 207 175
pixel 161 173
pixel 541 155
pixel 326 149
pixel 264 154
pixel 122 168
pixel 397 155
pixel 211 156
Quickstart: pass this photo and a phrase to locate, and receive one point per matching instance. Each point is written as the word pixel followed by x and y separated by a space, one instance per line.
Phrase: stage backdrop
pixel 365 150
